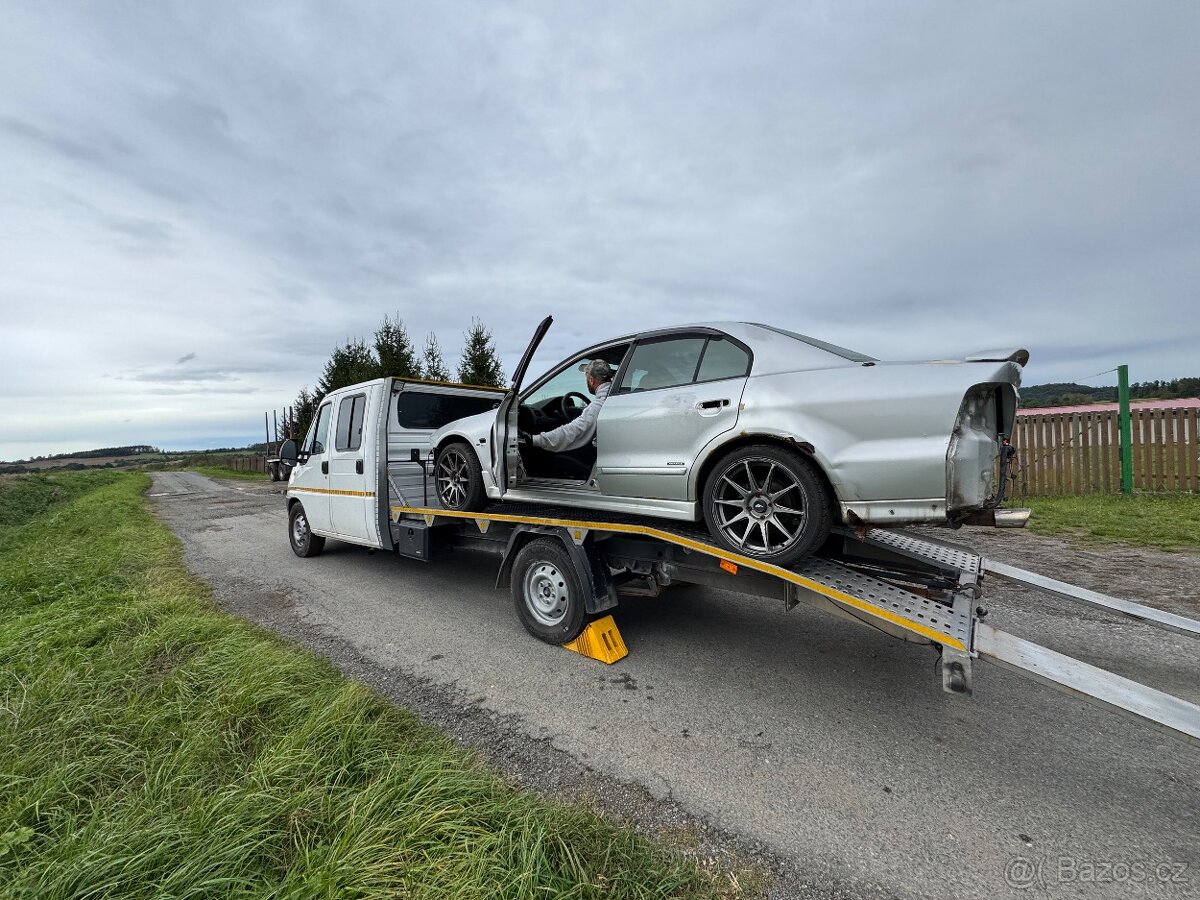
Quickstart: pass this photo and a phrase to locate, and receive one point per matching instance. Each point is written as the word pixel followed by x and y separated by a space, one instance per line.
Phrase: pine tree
pixel 396 354
pixel 433 364
pixel 480 363
pixel 349 364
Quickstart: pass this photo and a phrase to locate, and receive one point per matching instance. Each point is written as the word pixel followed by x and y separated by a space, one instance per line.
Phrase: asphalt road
pixel 830 744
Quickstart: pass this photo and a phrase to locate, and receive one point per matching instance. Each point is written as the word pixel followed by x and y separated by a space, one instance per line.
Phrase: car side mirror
pixel 290 453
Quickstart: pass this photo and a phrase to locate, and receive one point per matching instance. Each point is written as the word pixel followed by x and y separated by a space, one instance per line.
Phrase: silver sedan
pixel 767 435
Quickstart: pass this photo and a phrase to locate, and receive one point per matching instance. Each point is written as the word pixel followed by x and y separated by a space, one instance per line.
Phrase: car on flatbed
pixel 768 436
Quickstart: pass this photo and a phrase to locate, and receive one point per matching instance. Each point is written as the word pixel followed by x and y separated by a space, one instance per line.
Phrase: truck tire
pixel 273 471
pixel 304 542
pixel 547 592
pixel 767 502
pixel 458 478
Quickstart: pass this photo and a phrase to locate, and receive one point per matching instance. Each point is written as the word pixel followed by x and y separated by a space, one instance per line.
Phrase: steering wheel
pixel 567 408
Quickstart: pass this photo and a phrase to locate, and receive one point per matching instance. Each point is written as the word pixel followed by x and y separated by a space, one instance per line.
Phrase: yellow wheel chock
pixel 600 640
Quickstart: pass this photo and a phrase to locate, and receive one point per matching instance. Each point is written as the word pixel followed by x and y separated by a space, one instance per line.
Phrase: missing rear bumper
pixel 998 518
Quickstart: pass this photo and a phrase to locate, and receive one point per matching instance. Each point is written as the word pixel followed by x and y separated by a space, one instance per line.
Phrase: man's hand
pixel 524 439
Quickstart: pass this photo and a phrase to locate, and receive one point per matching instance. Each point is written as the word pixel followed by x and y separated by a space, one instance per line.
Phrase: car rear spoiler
pixel 1019 356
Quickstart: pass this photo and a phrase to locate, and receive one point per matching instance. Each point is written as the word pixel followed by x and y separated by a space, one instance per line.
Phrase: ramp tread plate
pixel 947 556
pixel 893 600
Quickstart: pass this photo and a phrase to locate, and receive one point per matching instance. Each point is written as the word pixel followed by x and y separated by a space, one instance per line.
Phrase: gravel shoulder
pixel 813 749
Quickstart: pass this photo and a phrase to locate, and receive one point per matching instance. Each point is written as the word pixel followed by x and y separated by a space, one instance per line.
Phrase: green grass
pixel 223 472
pixel 1165 521
pixel 152 746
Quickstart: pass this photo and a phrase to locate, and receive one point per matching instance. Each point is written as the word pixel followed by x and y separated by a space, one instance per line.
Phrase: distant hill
pixel 1072 394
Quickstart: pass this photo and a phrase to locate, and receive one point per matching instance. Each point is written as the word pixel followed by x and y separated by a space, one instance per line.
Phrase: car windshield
pixel 852 355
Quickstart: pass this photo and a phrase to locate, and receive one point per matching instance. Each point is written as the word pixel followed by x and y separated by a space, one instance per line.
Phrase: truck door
pixel 351 474
pixel 310 478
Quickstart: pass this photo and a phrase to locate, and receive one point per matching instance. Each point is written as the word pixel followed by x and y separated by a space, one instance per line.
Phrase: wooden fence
pixel 1079 453
pixel 246 463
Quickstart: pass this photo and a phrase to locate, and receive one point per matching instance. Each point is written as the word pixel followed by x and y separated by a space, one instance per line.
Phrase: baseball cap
pixel 598 368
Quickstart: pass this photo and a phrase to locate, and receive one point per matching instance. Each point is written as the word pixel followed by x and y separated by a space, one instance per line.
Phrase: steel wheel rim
pixel 453 479
pixel 546 594
pixel 300 530
pixel 760 506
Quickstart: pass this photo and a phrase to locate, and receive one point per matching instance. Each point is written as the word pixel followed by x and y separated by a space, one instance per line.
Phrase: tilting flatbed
pixel 914 587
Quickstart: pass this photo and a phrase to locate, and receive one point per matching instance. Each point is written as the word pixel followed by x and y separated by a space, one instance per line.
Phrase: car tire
pixel 458 478
pixel 768 503
pixel 547 592
pixel 304 542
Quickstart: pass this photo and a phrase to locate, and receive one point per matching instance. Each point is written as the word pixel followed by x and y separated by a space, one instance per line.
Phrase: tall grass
pixel 151 746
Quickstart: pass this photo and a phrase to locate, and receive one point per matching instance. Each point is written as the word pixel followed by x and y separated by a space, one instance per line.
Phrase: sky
pixel 199 201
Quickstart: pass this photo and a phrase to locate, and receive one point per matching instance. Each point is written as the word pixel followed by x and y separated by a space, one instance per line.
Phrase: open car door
pixel 506 419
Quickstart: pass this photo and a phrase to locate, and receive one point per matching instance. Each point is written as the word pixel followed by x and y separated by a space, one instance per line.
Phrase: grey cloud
pixel 272 179
pixel 187 357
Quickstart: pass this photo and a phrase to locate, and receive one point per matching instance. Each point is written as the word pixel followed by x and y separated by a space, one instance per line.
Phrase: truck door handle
pixel 712 404
pixel 324 467
pixel 358 466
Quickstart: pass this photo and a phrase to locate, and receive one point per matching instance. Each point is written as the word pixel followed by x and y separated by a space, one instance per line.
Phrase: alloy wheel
pixel 453 479
pixel 760 506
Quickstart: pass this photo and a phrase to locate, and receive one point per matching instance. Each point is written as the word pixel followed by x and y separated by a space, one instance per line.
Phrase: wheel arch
pixel 804 448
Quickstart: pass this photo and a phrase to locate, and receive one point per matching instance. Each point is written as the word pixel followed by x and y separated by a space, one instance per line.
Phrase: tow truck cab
pixel 342 466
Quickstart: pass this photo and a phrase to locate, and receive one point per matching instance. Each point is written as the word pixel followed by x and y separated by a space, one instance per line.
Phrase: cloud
pixel 262 182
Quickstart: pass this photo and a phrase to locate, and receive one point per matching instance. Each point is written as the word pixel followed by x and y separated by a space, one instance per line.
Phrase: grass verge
pixel 1165 521
pixel 151 745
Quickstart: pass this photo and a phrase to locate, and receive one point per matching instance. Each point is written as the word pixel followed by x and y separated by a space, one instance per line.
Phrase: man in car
pixel 579 432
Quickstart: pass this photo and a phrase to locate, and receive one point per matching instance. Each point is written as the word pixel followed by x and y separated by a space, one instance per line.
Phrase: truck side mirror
pixel 289 453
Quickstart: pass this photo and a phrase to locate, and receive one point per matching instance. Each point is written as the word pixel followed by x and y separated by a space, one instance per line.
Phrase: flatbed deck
pixel 916 587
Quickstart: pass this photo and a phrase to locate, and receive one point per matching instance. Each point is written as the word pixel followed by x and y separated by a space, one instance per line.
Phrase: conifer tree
pixel 396 354
pixel 480 363
pixel 349 364
pixel 433 364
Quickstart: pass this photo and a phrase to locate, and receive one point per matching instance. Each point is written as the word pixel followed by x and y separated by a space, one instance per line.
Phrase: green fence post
pixel 1126 427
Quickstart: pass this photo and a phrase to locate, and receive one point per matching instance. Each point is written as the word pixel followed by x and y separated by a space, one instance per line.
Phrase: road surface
pixel 828 746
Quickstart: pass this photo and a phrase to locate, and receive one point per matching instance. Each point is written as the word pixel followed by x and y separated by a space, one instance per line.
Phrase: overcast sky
pixel 198 201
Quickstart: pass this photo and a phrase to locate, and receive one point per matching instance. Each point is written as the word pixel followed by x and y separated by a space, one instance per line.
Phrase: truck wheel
pixel 300 536
pixel 273 471
pixel 767 502
pixel 547 592
pixel 459 478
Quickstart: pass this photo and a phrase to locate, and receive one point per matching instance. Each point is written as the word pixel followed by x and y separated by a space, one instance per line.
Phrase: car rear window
pixel 852 355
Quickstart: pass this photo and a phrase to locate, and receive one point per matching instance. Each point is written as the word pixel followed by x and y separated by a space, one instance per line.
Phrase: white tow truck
pixel 362 475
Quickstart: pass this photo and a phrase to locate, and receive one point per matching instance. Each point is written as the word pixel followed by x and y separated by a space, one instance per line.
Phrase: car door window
pixel 569 378
pixel 723 359
pixel 321 432
pixel 661 364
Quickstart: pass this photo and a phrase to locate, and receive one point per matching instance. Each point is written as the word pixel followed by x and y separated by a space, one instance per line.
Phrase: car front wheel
pixel 767 502
pixel 459 478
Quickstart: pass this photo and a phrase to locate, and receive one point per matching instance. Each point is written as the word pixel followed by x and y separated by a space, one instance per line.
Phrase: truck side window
pixel 349 422
pixel 321 433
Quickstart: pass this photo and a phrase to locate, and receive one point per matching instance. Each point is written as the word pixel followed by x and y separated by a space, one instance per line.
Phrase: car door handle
pixel 712 404
pixel 358 466
pixel 325 467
